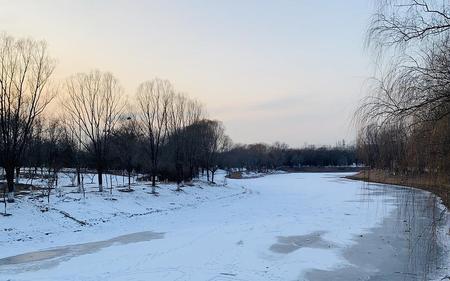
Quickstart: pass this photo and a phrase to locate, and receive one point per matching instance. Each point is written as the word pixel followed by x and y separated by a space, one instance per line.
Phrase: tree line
pixel 161 133
pixel 165 133
pixel 263 157
pixel 405 120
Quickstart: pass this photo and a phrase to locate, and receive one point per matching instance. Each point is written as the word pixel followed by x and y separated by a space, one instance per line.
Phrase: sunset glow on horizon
pixel 254 64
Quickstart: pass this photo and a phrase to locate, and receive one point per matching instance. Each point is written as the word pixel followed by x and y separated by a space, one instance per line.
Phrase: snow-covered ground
pixel 277 227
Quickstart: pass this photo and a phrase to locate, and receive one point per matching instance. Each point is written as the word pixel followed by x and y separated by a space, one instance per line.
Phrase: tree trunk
pixel 100 180
pixel 17 175
pixel 207 175
pixel 4 196
pixel 191 172
pixel 129 180
pixel 110 184
pixel 79 179
pixel 178 168
pixel 10 182
pixel 197 172
pixel 212 176
pixel 153 180
pixel 79 182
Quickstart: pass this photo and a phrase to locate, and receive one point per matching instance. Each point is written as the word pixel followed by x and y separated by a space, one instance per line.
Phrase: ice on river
pixel 278 227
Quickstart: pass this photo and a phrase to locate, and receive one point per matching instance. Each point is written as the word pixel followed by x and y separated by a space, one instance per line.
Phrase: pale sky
pixel 290 71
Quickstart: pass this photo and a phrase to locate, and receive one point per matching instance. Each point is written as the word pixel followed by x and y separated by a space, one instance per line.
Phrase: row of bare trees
pixel 95 126
pixel 405 121
pixel 263 157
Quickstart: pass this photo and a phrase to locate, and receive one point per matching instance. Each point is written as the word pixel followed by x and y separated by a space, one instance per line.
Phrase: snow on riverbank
pixel 269 228
pixel 106 214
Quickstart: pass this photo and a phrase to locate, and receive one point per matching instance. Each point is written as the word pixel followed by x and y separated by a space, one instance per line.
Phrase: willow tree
pixel 410 99
pixel 93 106
pixel 25 71
pixel 412 41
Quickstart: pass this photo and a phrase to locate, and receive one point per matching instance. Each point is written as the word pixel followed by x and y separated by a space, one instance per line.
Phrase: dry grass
pixel 435 184
pixel 235 175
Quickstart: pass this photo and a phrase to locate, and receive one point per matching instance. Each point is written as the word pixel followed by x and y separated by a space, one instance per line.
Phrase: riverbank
pixel 438 186
pixel 306 169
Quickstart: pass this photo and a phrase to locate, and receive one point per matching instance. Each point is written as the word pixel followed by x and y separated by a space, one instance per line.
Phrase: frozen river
pixel 278 227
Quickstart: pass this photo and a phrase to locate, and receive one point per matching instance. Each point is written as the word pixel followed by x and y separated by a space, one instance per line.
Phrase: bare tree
pixel 400 22
pixel 216 142
pixel 414 87
pixel 405 119
pixel 25 71
pixel 183 113
pixel 154 99
pixel 126 145
pixel 54 137
pixel 93 105
pixel 73 150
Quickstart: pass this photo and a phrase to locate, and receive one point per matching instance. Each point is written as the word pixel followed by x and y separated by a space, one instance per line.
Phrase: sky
pixel 288 71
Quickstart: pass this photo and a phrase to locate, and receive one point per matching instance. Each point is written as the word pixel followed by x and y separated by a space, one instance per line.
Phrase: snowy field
pixel 277 227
